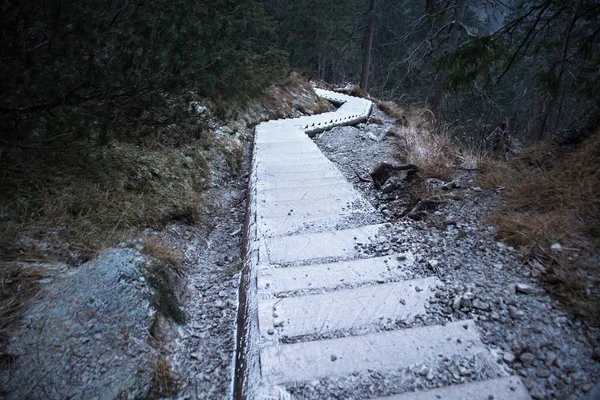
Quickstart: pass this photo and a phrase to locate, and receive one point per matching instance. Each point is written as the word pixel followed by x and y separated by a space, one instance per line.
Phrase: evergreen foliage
pixel 532 66
pixel 87 69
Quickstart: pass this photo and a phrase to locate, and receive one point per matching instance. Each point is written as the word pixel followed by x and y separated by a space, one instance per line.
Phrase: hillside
pixel 299 200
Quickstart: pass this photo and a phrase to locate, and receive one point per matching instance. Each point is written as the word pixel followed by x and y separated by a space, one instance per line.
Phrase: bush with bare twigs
pixel 420 143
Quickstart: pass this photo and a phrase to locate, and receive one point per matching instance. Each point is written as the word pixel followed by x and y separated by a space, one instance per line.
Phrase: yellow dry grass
pixel 420 143
pixel 157 249
pixel 553 196
pixel 77 205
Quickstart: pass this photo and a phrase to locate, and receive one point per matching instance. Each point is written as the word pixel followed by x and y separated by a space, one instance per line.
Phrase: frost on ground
pixel 130 325
pixel 526 328
pixel 90 337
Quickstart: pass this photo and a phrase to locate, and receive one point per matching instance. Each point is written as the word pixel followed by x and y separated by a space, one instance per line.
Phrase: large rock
pixel 86 334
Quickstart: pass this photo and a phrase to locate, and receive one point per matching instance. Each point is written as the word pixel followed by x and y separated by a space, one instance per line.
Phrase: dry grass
pixel 433 153
pixel 421 143
pixel 69 207
pixel 157 249
pixel 81 203
pixel 552 196
pixel 164 383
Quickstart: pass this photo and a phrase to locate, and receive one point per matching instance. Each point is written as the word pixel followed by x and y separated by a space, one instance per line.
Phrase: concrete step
pixel 309 192
pixel 279 137
pixel 346 309
pixel 274 175
pixel 275 281
pixel 309 166
pixel 289 147
pixel 377 351
pixel 299 163
pixel 315 246
pixel 305 208
pixel 296 183
pixel 507 388
pixel 290 224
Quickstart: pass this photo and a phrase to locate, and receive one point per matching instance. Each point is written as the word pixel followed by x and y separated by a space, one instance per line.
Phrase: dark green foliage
pixel 86 69
pixel 319 36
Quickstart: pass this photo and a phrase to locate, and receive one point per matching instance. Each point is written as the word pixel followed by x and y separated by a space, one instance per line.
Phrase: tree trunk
pixel 437 93
pixel 364 75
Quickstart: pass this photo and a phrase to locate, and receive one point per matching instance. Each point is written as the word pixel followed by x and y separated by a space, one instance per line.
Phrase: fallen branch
pixel 383 171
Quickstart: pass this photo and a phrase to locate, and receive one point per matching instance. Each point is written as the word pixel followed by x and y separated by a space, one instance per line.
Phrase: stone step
pixel 275 281
pixel 506 388
pixel 315 246
pixel 377 351
pixel 346 309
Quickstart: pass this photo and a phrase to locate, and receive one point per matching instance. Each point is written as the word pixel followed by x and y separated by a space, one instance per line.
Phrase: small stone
pixel 481 305
pixel 195 356
pixel 418 289
pixel 433 263
pixel 523 288
pixel 527 359
pixel 550 358
pixel 556 247
pixel 571 368
pixel 508 357
pixel 542 372
pixel 333 357
pixel 456 302
pixel 423 371
pixel 222 293
pixel 498 265
pixel 573 351
pixel 270 331
pixel 401 257
pixel 219 303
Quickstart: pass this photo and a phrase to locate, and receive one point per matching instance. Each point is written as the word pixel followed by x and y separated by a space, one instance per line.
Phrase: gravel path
pixel 526 329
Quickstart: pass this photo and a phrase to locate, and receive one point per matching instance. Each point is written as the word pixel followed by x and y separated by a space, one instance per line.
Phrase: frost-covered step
pixel 507 388
pixel 299 162
pixel 345 309
pixel 299 146
pixel 377 351
pixel 296 183
pixel 314 246
pixel 289 224
pixel 274 175
pixel 305 208
pixel 276 158
pixel 309 166
pixel 307 192
pixel 292 161
pixel 266 134
pixel 331 275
